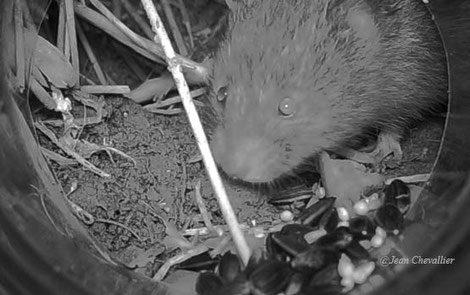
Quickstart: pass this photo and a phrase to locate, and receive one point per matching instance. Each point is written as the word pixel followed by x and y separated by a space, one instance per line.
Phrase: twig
pixel 186 22
pixel 203 208
pixel 88 80
pixel 61 29
pixel 410 178
pixel 56 157
pixel 107 26
pixel 40 126
pixel 43 204
pixel 174 28
pixel 72 38
pixel 176 99
pixel 261 229
pixel 110 79
pixel 121 225
pixel 105 89
pixel 88 219
pixel 85 99
pixel 143 46
pixel 81 213
pixel 91 55
pixel 162 271
pixel 168 112
pixel 175 68
pixel 19 40
pixel 151 88
pixel 142 42
pixel 222 244
pixel 139 20
pixel 43 96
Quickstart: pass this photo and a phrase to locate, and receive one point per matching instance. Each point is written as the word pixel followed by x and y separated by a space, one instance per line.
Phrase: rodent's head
pixel 282 78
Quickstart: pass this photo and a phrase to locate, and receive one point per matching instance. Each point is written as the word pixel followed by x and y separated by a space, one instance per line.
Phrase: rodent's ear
pixel 362 23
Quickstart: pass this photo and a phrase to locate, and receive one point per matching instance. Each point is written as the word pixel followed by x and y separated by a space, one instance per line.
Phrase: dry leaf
pixel 52 63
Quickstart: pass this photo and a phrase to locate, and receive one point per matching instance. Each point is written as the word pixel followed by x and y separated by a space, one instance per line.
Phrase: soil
pixel 162 181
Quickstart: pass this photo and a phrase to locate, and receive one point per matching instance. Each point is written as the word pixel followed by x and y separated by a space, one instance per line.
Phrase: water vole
pixel 292 78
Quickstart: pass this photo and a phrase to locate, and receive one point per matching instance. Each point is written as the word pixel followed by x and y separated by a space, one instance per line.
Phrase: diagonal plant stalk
pixel 175 68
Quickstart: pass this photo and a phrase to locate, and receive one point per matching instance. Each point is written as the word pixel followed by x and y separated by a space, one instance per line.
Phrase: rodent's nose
pixel 251 160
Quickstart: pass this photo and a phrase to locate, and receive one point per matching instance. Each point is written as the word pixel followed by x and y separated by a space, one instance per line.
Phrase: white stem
pixel 175 69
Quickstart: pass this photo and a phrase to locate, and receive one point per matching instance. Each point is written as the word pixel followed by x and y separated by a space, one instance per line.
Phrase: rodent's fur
pixel 348 67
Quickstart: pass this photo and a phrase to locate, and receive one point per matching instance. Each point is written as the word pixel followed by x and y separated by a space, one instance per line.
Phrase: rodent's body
pixel 305 76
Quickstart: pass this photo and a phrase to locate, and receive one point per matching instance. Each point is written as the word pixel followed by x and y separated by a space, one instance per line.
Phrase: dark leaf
pixel 229 266
pixel 362 227
pixel 200 262
pixel 329 220
pixel 357 253
pixel 296 283
pixel 314 258
pixel 327 276
pixel 291 244
pixel 271 277
pixel 208 283
pixel 311 216
pixel 389 218
pixel 336 240
pixel 398 194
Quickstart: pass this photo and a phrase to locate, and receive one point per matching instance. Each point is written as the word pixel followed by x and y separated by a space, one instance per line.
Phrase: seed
pixel 320 192
pixel 343 213
pixel 347 283
pixel 366 244
pixel 287 216
pixel 373 201
pixel 361 208
pixel 380 232
pixel 343 224
pixel 377 241
pixel 362 272
pixel 259 234
pixel 345 267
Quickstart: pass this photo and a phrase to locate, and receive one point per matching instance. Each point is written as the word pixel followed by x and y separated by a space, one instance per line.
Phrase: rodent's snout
pixel 249 159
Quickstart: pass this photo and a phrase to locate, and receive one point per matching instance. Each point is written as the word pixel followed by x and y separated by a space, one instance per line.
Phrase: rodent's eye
pixel 287 107
pixel 222 93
